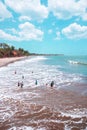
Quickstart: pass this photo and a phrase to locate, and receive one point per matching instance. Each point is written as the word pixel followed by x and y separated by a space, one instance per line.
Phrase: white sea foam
pixel 36 59
pixel 43 73
pixel 67 127
pixel 86 128
pixel 76 113
pixel 21 128
pixel 77 62
pixel 25 128
pixel 73 62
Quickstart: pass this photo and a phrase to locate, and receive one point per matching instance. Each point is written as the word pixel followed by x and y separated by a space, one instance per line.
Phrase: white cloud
pixel 66 9
pixel 84 16
pixel 75 31
pixel 4 13
pixel 30 8
pixel 58 36
pixel 12 31
pixel 26 32
pixel 29 32
pixel 9 37
pixel 24 18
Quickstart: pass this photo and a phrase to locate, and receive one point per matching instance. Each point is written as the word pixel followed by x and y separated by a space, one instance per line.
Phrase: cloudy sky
pixel 45 26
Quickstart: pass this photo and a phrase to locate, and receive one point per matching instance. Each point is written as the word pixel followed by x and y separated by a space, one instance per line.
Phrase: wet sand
pixel 44 108
pixel 6 61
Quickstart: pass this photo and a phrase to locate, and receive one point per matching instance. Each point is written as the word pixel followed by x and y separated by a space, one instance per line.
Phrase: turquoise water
pixel 72 72
pixel 69 64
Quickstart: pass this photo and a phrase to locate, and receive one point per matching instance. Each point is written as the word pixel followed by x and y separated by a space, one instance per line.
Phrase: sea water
pixel 18 108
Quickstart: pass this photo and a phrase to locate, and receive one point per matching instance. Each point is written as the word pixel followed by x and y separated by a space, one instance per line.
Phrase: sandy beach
pixel 8 60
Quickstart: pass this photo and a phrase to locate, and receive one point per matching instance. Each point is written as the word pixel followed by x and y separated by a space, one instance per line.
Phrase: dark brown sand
pixel 46 110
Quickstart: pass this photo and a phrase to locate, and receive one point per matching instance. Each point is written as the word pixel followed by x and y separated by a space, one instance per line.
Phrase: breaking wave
pixel 77 62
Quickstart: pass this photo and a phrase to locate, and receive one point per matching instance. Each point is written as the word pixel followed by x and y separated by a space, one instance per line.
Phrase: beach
pixel 41 107
pixel 6 61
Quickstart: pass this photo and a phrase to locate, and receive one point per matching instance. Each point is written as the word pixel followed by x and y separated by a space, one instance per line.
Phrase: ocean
pixel 42 107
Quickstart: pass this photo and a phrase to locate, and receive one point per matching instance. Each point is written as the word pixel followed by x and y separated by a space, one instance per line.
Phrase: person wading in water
pixel 52 84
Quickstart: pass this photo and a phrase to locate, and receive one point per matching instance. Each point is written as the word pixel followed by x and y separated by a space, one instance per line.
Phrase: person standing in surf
pixel 36 82
pixel 52 84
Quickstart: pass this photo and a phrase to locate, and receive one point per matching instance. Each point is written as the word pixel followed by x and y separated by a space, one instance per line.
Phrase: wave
pixel 37 58
pixel 77 62
pixel 30 59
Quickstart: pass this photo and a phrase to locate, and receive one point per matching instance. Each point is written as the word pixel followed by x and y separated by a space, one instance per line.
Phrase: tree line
pixel 10 51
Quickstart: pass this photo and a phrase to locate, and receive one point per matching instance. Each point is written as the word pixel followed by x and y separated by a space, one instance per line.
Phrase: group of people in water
pixel 21 84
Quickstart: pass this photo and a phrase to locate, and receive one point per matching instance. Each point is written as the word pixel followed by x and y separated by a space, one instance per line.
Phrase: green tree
pixel 12 48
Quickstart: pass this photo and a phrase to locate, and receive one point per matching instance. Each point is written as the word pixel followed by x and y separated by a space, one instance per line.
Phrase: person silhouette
pixel 52 84
pixel 36 82
pixel 22 84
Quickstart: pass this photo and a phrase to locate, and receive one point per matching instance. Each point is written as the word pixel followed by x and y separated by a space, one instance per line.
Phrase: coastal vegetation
pixel 10 51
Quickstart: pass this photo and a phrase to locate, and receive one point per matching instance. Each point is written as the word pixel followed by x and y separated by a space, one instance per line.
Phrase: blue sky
pixel 45 26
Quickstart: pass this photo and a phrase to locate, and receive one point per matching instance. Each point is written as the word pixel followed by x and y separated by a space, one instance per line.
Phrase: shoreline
pixel 8 60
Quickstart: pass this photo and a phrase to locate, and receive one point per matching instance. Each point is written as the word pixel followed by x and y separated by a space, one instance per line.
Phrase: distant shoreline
pixel 46 54
pixel 8 60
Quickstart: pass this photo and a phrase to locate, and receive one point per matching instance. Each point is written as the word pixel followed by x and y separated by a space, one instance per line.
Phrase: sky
pixel 45 26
